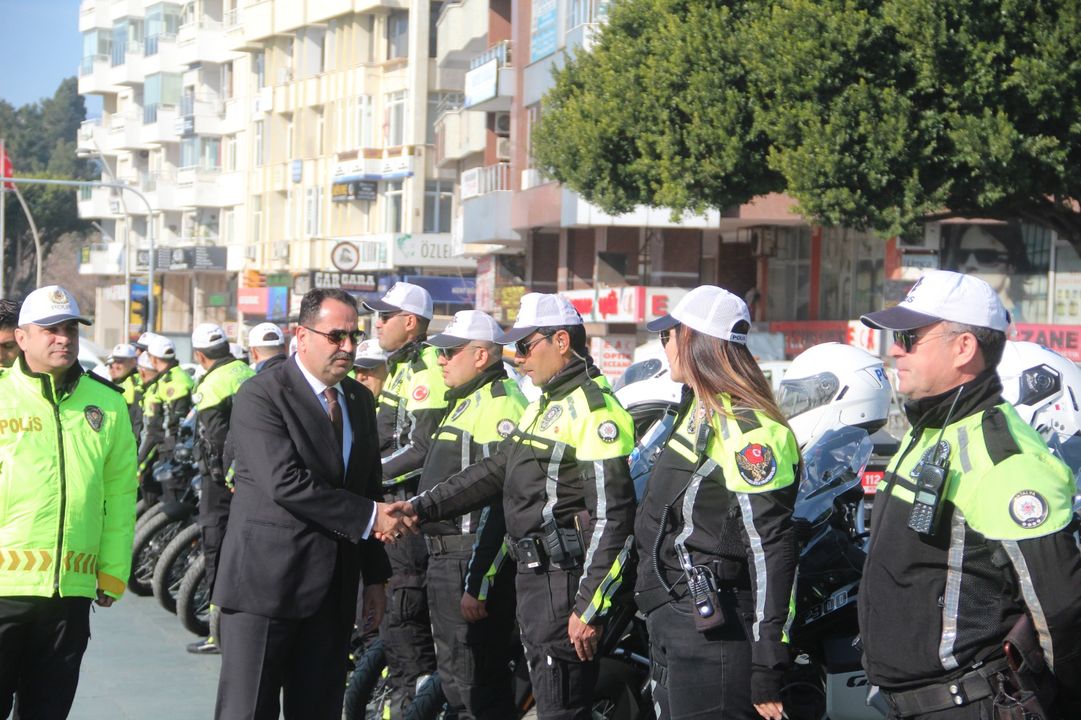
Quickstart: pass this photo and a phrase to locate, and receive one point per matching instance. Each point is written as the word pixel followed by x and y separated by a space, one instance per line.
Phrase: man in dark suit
pixel 303 526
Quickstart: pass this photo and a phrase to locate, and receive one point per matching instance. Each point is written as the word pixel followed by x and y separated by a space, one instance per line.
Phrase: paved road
pixel 136 667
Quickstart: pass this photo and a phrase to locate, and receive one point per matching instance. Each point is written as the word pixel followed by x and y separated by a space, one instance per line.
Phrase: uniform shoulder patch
pixel 420 393
pixel 1028 509
pixel 551 416
pixel 757 464
pixel 608 431
pixel 94 416
pixel 505 427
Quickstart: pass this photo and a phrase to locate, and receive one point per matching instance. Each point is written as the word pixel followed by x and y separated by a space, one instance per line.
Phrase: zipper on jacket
pixel 49 391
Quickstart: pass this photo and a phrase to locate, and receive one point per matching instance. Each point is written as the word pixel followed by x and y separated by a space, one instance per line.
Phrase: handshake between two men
pixel 392 520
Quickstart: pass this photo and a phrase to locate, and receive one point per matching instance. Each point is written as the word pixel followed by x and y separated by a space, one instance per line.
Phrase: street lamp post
pixel 100 157
pixel 149 225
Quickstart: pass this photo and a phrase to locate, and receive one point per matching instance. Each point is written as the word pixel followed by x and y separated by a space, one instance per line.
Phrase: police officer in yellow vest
pixel 568 501
pixel 973 526
pixel 213 398
pixel 67 514
pixel 408 410
pixel 122 371
pixel 166 402
pixel 470 577
pixel 9 317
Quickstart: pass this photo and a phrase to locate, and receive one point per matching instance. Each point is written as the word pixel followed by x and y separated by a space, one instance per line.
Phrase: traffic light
pixel 254 279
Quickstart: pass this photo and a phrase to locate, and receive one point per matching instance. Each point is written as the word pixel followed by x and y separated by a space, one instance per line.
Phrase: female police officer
pixel 717 555
pixel 568 501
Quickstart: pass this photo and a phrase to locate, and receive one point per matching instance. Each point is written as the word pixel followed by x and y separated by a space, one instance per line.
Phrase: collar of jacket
pixel 65 387
pixel 406 353
pixel 982 393
pixel 220 362
pixel 492 373
pixel 566 381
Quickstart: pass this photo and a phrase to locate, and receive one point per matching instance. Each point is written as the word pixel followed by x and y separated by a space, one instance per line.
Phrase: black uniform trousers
pixel 407 625
pixel 701 675
pixel 473 657
pixel 213 518
pixel 981 710
pixel 562 684
pixel 264 658
pixel 42 641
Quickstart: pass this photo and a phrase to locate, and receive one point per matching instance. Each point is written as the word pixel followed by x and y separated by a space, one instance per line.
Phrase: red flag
pixel 6 170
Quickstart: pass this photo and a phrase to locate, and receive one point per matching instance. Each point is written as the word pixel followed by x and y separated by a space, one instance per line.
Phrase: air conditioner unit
pixel 502 149
pixel 501 124
pixel 281 250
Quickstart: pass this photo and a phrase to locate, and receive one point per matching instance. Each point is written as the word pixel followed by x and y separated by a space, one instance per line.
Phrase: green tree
pixel 874 114
pixel 40 139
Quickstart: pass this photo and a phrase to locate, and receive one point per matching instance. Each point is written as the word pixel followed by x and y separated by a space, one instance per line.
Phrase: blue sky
pixel 42 46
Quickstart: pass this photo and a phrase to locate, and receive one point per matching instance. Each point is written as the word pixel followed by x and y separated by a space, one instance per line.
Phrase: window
pixel 392 207
pixel 97 44
pixel 395 125
pixel 433 28
pixel 365 122
pixel 438 196
pixel 287 223
pixel 256 219
pixel 259 69
pixel 227 80
pixel 257 137
pixel 160 89
pixel 229 152
pixel 320 128
pixel 369 32
pixel 288 137
pixel 397 35
pixel 313 206
pixel 434 102
pixel 532 118
pixel 162 21
pixel 227 215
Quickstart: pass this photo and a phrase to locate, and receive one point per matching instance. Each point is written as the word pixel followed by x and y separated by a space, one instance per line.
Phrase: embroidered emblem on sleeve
pixel 607 431
pixel 420 392
pixel 757 465
pixel 1028 509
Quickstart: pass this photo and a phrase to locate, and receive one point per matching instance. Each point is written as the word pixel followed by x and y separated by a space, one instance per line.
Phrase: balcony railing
pixel 586 12
pixel 87 65
pixel 205 23
pixel 151 47
pixel 121 52
pixel 501 51
pixel 484 180
pixel 232 17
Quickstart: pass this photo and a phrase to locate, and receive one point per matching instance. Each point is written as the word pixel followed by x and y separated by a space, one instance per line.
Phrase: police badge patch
pixel 1028 509
pixel 420 393
pixel 459 410
pixel 505 427
pixel 607 431
pixel 551 416
pixel 756 463
pixel 94 417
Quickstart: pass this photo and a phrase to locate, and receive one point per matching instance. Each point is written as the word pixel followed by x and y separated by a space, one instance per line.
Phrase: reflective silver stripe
pixel 467 441
pixel 724 425
pixel 688 500
pixel 952 599
pixel 759 554
pixel 480 528
pixel 653 694
pixel 602 520
pixel 962 445
pixel 551 482
pixel 1028 591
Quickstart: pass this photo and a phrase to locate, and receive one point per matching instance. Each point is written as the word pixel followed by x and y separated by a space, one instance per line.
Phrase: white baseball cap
pixel 207 335
pixel 370 355
pixel 48 306
pixel 160 346
pixel 406 297
pixel 237 350
pixel 140 344
pixel 266 335
pixel 123 351
pixel 710 310
pixel 944 295
pixel 144 362
pixel 539 310
pixel 467 325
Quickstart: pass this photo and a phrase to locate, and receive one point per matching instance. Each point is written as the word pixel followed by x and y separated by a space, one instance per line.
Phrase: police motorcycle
pixel 177 476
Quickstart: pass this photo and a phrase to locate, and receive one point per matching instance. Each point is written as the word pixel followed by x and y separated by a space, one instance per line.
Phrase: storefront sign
pixel 363 190
pixel 450 290
pixel 344 256
pixel 1063 339
pixel 252 301
pixel 543 30
pixel 481 83
pixel 180 259
pixel 800 335
pixel 613 353
pixel 863 337
pixel 428 250
pixel 354 282
pixel 632 304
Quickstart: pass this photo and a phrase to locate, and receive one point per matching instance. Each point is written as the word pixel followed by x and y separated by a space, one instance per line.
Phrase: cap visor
pixel 368 363
pixel 662 323
pixel 380 306
pixel 515 334
pixel 443 340
pixel 897 318
pixel 57 319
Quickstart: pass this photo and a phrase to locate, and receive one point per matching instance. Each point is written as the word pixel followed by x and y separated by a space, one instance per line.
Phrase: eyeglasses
pixel 449 353
pixel 339 336
pixel 523 348
pixel 909 340
pixel 666 335
pixel 388 314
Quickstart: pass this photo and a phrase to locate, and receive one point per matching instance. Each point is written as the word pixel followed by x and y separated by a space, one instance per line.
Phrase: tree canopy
pixel 40 140
pixel 874 114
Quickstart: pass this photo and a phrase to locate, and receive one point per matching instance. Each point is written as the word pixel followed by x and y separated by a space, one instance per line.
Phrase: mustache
pixel 340 355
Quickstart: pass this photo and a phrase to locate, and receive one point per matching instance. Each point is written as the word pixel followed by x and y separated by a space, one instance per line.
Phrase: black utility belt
pixel 974 685
pixel 539 553
pixel 442 544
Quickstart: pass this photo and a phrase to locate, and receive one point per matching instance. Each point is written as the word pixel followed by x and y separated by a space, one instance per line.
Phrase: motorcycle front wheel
pixel 150 540
pixel 193 599
pixel 173 564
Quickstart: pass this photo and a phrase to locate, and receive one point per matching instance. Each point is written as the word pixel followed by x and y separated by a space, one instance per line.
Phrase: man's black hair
pixel 9 313
pixel 313 302
pixel 216 352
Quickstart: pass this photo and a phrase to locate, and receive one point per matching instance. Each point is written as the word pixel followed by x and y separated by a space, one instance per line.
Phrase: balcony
pixel 323 10
pixel 94 14
pixel 201 114
pixel 160 54
pixel 459 134
pixel 124 131
pixel 462 31
pixel 160 188
pixel 127 65
pixel 198 187
pixel 91 135
pixel 159 125
pixel 99 202
pixel 102 259
pixel 486 207
pixel 118 9
pixel 202 41
pixel 490 84
pixel 94 75
pixel 248 25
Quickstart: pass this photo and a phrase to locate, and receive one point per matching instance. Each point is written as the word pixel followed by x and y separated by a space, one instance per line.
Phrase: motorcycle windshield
pixel 637 372
pixel 648 449
pixel 832 466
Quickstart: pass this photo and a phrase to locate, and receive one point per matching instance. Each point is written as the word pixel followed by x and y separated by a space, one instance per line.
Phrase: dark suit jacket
pixel 296 514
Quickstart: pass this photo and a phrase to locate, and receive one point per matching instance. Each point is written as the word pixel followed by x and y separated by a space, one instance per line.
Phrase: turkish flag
pixel 6 170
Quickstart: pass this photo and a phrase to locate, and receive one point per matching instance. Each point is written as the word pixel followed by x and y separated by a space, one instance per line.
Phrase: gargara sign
pixel 359 282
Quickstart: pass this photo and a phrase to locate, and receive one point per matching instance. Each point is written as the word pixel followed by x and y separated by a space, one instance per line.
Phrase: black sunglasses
pixel 908 339
pixel 523 348
pixel 450 352
pixel 339 336
pixel 666 335
pixel 385 315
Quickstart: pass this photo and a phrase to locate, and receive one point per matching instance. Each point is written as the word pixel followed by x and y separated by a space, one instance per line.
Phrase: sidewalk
pixel 136 667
